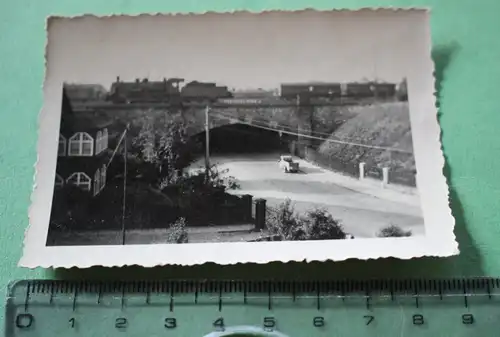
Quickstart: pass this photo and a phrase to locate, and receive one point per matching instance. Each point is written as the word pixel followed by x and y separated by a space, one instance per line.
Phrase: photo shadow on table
pixel 467 263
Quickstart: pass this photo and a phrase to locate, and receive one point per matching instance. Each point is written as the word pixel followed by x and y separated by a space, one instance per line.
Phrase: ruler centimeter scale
pixel 453 307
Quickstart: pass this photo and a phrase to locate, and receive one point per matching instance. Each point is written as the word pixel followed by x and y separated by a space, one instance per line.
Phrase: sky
pixel 241 51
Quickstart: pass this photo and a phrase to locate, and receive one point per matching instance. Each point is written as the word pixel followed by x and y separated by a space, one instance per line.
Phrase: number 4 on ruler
pixel 219 324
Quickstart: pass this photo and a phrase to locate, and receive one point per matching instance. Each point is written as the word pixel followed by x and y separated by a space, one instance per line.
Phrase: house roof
pixel 91 120
pixel 85 91
pixel 74 119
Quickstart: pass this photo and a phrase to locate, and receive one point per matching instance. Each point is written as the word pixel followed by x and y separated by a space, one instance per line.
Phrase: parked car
pixel 287 164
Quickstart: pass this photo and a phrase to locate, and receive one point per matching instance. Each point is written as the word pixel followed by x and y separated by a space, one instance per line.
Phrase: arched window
pixel 59 181
pixel 104 139
pixel 97 182
pixel 103 176
pixel 81 144
pixel 61 151
pixel 98 142
pixel 81 180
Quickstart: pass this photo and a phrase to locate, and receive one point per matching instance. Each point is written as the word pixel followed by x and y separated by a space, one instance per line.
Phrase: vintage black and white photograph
pixel 241 132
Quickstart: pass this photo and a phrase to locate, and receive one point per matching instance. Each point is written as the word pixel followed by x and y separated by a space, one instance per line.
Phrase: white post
pixel 361 171
pixel 207 141
pixel 385 176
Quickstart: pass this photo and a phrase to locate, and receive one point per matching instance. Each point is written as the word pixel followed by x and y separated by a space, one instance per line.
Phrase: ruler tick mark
pixel 220 299
pixel 123 297
pixel 99 294
pixel 368 298
pixel 417 304
pixel 171 304
pixel 269 298
pixel 51 298
pixel 27 299
pixel 75 294
pixel 318 304
pixel 466 302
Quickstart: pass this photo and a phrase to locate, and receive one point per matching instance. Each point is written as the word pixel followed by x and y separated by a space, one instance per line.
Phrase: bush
pixel 322 226
pixel 220 179
pixel 393 231
pixel 177 232
pixel 284 224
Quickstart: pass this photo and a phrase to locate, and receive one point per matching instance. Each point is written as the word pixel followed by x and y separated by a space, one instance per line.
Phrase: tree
pixel 164 145
pixel 322 226
pixel 393 231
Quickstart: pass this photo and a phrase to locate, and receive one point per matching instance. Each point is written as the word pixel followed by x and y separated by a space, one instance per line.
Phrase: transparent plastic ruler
pixel 454 307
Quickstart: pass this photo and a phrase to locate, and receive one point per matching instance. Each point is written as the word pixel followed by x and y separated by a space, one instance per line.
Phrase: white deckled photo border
pixel 439 239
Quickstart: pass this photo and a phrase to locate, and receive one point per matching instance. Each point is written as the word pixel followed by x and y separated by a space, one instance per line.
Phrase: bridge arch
pixel 266 122
pixel 242 138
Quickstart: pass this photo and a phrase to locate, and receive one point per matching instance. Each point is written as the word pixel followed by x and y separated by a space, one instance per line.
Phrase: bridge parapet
pixel 263 117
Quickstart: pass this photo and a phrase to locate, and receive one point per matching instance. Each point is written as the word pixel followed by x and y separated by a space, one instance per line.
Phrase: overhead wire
pixel 303 135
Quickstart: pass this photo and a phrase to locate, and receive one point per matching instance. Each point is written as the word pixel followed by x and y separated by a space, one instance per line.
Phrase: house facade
pixel 83 149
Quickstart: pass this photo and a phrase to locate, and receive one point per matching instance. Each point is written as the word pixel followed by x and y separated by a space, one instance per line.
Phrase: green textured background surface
pixel 466 52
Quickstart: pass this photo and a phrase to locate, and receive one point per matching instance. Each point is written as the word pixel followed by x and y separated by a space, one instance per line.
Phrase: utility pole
pixel 124 207
pixel 123 139
pixel 207 142
pixel 299 116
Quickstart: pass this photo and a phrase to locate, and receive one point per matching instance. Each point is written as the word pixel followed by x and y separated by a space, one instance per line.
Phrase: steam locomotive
pixel 166 91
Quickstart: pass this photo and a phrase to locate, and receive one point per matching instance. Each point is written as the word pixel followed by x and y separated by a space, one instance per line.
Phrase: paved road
pixel 362 214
